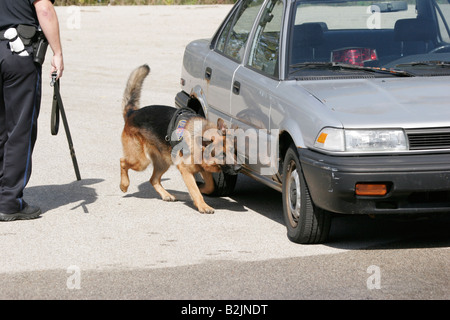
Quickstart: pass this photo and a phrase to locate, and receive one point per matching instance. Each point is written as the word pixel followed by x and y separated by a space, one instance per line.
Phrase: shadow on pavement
pixel 54 196
pixel 146 191
pixel 354 231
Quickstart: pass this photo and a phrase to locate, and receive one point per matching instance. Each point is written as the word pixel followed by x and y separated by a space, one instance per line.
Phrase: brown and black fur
pixel 144 142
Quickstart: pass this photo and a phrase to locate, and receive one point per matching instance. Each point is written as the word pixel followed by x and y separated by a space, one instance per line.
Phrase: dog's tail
pixel 132 94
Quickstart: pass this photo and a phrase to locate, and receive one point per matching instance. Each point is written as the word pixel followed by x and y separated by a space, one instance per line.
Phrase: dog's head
pixel 219 150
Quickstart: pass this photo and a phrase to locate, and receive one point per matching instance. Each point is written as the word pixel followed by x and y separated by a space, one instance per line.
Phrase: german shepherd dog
pixel 145 140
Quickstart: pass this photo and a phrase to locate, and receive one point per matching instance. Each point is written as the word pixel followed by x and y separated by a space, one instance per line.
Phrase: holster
pixel 36 38
pixel 26 33
pixel 40 48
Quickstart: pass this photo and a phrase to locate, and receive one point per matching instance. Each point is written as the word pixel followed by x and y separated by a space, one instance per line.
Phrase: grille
pixel 429 139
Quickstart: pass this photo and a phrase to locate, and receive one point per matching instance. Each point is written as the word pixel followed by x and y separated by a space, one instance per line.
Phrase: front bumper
pixel 416 183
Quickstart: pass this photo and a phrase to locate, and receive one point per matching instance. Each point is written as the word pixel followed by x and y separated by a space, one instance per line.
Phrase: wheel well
pixel 195 105
pixel 284 142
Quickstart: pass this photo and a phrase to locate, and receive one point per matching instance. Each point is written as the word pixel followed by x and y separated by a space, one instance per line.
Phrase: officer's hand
pixel 57 65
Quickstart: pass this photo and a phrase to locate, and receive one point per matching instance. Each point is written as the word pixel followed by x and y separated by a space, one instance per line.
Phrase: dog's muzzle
pixel 231 169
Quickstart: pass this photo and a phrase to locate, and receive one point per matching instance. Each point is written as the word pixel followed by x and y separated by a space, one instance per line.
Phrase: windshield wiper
pixel 342 66
pixel 444 64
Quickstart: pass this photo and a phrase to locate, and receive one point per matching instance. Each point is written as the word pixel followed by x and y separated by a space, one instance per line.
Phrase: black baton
pixel 57 108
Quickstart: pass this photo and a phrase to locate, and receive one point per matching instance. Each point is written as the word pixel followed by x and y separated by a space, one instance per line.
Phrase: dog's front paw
pixel 169 198
pixel 205 209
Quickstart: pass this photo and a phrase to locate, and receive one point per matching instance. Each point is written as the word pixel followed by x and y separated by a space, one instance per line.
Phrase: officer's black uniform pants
pixel 20 97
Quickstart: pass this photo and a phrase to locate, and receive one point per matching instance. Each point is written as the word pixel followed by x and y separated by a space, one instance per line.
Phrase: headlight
pixel 356 140
pixel 375 140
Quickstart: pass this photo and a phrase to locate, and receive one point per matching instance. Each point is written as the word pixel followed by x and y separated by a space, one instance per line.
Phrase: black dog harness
pixel 177 125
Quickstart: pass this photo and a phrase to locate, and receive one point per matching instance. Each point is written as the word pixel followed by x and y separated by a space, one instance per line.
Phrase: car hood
pixel 399 102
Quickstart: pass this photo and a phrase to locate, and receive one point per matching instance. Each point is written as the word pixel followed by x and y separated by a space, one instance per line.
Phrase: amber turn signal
pixel 371 189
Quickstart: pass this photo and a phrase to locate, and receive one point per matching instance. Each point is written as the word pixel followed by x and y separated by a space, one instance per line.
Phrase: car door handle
pixel 236 87
pixel 208 73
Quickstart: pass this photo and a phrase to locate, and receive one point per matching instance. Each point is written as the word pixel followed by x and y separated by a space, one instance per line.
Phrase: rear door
pixel 228 54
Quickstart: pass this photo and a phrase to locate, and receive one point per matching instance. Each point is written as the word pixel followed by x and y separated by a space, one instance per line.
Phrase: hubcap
pixel 294 195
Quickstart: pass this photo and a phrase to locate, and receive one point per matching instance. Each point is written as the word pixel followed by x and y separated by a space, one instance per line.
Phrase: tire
pixel 224 184
pixel 305 223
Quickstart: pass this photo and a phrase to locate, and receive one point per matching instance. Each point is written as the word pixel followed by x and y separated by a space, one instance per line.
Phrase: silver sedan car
pixel 343 106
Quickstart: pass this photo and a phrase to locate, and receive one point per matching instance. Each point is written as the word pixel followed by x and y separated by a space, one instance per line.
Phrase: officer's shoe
pixel 29 212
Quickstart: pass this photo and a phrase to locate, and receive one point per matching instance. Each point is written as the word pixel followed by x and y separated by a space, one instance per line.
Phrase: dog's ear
pixel 222 126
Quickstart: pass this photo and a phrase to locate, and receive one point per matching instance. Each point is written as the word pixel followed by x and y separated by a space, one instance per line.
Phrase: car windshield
pixel 393 38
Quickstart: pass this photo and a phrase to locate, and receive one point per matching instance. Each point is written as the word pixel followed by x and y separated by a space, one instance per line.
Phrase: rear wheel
pixel 224 184
pixel 305 223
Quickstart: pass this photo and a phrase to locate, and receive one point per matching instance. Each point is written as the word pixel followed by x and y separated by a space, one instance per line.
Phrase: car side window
pixel 265 47
pixel 233 39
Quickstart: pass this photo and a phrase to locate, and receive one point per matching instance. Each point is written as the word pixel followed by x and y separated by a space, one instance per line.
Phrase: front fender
pixel 198 93
pixel 292 128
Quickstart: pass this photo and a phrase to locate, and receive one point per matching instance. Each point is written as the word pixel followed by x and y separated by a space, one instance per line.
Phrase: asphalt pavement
pixel 95 242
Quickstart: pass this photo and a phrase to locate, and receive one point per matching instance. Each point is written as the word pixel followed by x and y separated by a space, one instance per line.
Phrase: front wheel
pixel 305 223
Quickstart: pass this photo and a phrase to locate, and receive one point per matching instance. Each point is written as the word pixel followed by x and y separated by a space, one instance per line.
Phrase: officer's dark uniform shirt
pixel 15 12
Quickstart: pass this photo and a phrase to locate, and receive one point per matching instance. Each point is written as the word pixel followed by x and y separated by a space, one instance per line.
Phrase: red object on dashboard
pixel 355 56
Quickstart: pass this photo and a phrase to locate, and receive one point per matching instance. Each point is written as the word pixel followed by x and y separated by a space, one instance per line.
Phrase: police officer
pixel 20 98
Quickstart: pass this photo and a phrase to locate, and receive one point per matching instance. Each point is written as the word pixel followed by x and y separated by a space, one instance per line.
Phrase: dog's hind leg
pixel 124 179
pixel 125 165
pixel 159 168
pixel 134 157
